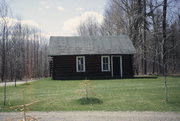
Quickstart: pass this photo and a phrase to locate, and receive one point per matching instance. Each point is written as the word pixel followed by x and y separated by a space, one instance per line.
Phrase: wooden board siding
pixel 64 67
pixel 127 66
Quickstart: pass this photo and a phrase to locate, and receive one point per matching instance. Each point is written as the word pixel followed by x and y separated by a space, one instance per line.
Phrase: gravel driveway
pixel 97 116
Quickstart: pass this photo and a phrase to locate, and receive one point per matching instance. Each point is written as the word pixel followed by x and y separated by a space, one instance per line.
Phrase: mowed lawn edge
pixel 115 95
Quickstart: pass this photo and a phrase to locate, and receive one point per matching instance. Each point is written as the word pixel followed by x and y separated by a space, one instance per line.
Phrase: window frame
pixel 102 63
pixel 84 69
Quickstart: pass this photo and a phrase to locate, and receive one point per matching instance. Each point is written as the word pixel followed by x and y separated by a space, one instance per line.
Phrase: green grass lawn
pixel 115 95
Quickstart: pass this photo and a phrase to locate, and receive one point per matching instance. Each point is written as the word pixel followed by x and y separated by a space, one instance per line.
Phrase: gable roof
pixel 80 45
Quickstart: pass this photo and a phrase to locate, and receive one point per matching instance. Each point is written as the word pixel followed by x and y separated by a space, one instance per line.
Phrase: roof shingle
pixel 90 45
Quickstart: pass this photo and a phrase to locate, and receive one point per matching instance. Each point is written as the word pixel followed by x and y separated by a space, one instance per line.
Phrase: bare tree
pixel 23 50
pixel 4 39
pixel 136 19
pixel 90 27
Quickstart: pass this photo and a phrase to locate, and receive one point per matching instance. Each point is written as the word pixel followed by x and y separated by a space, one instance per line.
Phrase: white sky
pixel 57 17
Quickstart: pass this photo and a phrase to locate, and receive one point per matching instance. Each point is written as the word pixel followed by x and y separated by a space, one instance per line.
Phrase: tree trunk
pixel 4 61
pixel 163 57
pixel 163 47
pixel 144 36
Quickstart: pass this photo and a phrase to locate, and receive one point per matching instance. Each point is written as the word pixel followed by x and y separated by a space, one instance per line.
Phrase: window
pixel 105 63
pixel 80 64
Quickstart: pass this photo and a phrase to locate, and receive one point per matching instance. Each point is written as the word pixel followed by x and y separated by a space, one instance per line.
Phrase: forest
pixel 23 49
pixel 152 25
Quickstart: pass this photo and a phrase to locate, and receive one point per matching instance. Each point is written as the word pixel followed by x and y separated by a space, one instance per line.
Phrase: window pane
pixel 106 60
pixel 103 66
pixel 106 67
pixel 78 67
pixel 81 60
pixel 105 63
pixel 80 64
pixel 81 67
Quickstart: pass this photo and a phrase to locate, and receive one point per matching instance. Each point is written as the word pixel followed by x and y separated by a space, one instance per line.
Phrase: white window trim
pixel 121 66
pixel 83 63
pixel 102 63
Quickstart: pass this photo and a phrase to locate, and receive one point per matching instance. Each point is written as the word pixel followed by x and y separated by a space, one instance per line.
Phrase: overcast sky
pixel 57 17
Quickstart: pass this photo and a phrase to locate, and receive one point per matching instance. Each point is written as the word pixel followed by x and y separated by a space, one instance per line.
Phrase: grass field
pixel 115 95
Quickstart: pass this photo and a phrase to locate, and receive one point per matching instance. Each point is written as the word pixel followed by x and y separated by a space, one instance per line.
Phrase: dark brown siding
pixel 64 67
pixel 127 66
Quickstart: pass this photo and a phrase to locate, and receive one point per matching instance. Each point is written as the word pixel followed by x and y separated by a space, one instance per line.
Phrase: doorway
pixel 117 66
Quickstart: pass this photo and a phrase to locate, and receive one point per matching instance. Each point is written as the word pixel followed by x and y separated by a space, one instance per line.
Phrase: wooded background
pixel 153 26
pixel 23 49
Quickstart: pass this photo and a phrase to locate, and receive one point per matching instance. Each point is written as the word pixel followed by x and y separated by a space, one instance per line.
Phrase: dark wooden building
pixel 95 57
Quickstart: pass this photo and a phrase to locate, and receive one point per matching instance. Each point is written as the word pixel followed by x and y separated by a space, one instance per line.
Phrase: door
pixel 116 67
